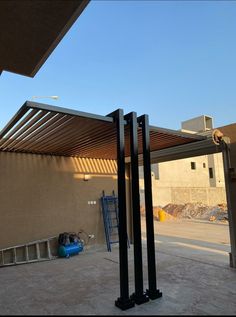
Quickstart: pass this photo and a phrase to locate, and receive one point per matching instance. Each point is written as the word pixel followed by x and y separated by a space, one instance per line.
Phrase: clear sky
pixel 172 60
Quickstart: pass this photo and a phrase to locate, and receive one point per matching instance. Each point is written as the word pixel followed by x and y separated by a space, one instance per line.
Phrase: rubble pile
pixel 156 213
pixel 198 211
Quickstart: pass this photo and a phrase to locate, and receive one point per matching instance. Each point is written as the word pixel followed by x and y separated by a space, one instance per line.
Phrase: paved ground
pixel 192 272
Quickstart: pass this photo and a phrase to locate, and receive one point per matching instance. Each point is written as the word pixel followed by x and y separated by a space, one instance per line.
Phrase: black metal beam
pixel 124 301
pixel 139 296
pixel 42 106
pixel 152 291
pixel 188 150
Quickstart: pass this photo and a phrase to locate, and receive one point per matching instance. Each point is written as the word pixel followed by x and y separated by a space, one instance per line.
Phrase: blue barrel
pixel 70 249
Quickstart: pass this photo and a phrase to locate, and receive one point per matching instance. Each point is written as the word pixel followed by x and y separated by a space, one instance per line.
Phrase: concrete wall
pixel 177 195
pixel 180 195
pixel 42 196
pixel 177 183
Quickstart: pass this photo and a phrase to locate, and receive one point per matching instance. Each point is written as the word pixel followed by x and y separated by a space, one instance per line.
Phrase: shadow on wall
pixel 42 196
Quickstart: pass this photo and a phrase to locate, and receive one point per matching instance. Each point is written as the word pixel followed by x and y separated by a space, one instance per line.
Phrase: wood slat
pixel 24 130
pixel 44 130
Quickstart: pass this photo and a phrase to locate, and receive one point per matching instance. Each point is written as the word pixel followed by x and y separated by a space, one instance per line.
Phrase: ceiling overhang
pixel 43 129
pixel 31 29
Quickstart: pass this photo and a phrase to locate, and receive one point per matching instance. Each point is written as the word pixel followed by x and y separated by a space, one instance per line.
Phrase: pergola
pixel 47 130
pixel 29 32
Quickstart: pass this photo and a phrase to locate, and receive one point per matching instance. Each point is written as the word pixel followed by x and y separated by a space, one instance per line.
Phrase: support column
pixel 138 296
pixel 123 302
pixel 152 291
pixel 230 187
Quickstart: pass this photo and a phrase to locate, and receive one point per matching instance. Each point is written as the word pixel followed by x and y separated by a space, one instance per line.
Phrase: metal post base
pixel 124 303
pixel 154 294
pixel 139 299
pixel 232 260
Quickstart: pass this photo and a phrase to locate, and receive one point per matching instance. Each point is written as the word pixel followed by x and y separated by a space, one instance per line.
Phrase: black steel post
pixel 139 296
pixel 123 302
pixel 152 291
pixel 230 179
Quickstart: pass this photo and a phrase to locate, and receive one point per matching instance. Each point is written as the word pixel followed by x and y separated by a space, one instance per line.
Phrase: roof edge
pixel 63 32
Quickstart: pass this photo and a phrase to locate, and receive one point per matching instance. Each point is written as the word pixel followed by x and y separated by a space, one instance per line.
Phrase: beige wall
pixel 177 195
pixel 178 173
pixel 180 195
pixel 178 183
pixel 42 196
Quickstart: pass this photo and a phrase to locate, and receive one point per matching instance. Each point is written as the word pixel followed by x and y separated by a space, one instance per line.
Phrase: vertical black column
pixel 230 186
pixel 139 296
pixel 152 292
pixel 123 302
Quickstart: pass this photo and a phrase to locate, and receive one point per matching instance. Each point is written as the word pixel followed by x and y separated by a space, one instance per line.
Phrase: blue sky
pixel 172 60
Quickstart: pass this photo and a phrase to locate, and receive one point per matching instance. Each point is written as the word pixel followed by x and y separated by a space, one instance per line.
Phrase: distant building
pixel 195 179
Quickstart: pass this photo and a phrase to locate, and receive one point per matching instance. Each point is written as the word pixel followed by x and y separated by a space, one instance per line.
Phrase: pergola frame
pixel 44 129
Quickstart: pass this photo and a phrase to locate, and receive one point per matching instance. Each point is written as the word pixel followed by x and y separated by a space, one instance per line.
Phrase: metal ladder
pixel 111 219
pixel 35 251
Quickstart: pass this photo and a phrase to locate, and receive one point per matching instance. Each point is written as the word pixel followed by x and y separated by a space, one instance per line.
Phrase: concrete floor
pixel 192 272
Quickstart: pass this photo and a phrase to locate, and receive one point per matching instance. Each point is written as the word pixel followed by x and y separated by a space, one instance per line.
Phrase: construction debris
pixel 198 211
pixel 191 211
pixel 159 214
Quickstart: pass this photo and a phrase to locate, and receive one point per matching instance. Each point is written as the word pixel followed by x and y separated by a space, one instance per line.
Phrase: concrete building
pixel 196 179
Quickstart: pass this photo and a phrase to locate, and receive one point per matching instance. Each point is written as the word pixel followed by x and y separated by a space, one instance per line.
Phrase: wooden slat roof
pixel 43 129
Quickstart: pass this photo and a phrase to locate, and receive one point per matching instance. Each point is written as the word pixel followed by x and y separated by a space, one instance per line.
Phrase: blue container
pixel 70 249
